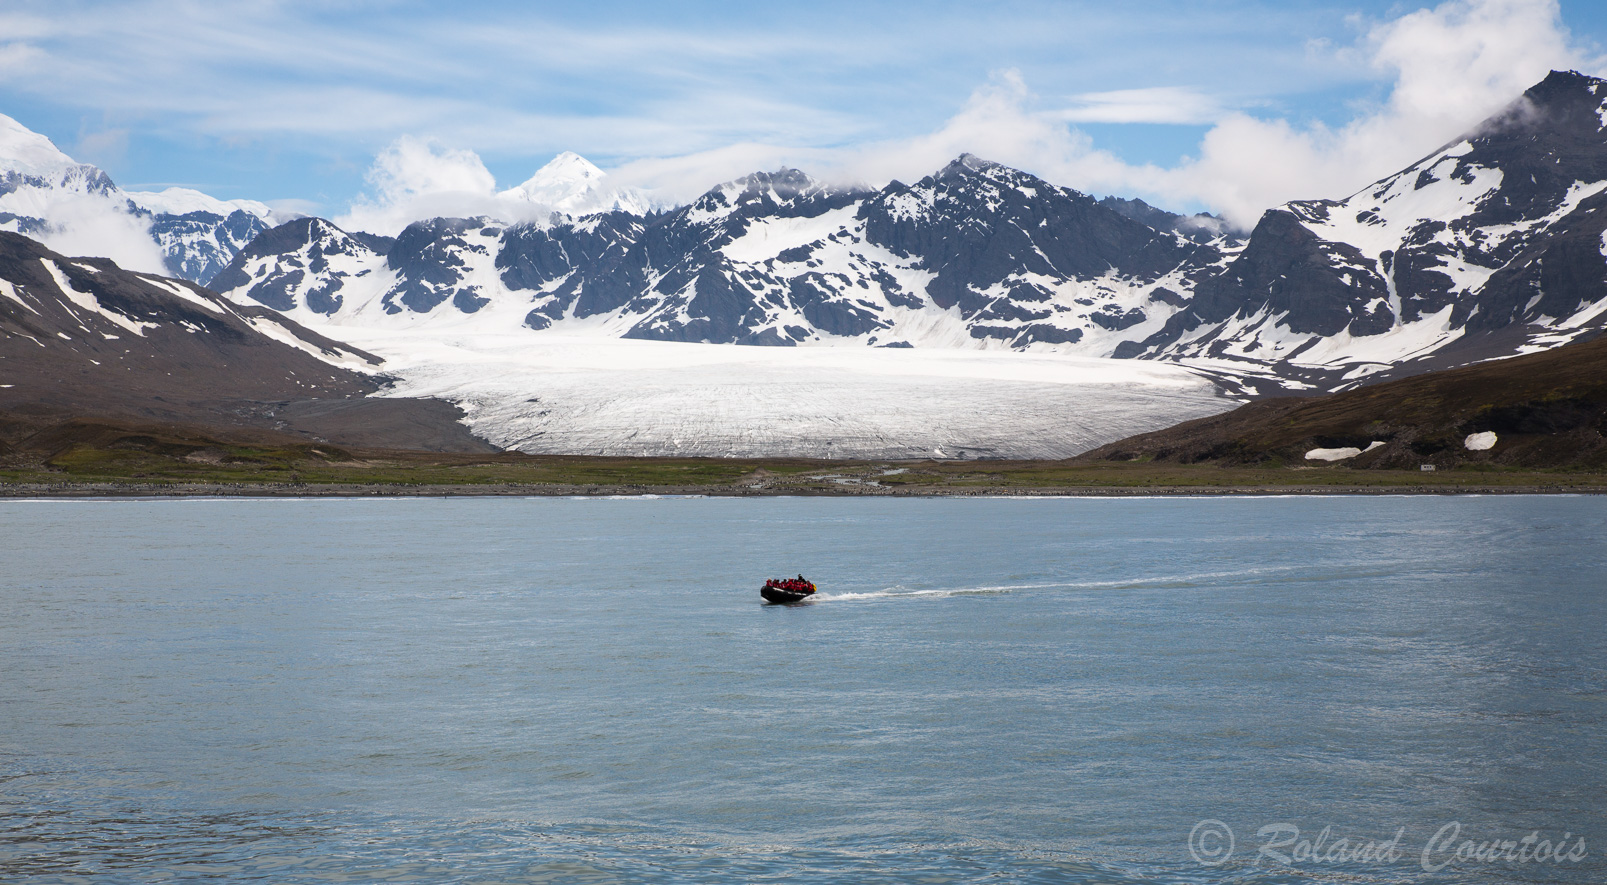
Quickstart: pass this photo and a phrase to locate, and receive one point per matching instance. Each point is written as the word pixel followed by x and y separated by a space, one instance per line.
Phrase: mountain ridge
pixel 1433 266
pixel 778 258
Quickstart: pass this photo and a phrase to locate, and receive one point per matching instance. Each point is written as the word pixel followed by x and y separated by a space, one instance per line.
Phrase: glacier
pixel 602 395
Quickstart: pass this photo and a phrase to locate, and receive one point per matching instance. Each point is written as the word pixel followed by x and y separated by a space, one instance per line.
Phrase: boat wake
pixel 901 592
pixel 1157 582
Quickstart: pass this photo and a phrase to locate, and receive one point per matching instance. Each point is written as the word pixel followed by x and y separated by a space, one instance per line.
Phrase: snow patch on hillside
pixel 88 302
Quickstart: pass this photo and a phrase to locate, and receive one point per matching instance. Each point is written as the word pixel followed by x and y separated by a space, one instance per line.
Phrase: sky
pixel 374 112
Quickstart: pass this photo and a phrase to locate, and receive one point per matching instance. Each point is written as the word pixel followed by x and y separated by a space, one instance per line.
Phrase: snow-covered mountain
pixel 1490 246
pixel 75 207
pixel 199 235
pixel 975 256
pixel 31 168
pixel 47 195
pixel 570 184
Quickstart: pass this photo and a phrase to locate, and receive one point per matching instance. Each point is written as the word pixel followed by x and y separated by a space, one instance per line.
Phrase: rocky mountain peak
pixel 781 185
pixel 966 164
pixel 785 191
pixel 1564 91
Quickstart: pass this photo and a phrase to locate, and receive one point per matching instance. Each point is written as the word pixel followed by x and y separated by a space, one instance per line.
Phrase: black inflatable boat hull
pixel 782 597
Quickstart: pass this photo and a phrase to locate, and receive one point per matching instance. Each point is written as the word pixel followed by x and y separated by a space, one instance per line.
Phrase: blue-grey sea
pixel 1198 690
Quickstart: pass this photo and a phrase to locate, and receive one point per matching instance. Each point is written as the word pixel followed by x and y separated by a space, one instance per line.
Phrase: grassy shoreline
pixel 101 491
pixel 120 461
pixel 457 476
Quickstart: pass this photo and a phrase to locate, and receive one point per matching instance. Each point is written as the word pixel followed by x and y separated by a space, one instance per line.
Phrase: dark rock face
pixel 1321 287
pixel 1544 146
pixel 688 289
pixel 976 223
pixel 1116 321
pixel 532 256
pixel 431 265
pixel 1554 276
pixel 308 258
pixel 974 227
pixel 829 312
pixel 199 245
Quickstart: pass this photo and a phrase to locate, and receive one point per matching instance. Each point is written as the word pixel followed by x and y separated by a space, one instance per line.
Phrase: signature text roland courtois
pixel 1212 843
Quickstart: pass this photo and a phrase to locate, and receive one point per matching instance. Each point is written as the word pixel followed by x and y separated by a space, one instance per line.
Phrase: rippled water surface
pixel 1061 690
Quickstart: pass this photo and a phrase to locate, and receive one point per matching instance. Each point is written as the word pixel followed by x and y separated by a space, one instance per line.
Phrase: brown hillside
pixel 1547 410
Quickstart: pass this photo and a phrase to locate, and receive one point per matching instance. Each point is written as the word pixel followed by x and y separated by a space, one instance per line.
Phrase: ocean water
pixel 997 690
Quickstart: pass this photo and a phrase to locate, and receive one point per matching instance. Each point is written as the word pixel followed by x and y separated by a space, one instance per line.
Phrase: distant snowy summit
pixel 76 208
pixel 572 185
pixel 199 235
pixel 28 159
pixel 179 201
pixel 36 177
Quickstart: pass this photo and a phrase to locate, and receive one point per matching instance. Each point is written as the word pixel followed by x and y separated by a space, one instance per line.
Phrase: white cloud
pixel 998 125
pixel 1161 104
pixel 312 84
pixel 675 180
pixel 416 178
pixel 97 225
pixel 17 57
pixel 994 123
pixel 1452 66
pixel 1447 67
pixel 412 168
